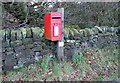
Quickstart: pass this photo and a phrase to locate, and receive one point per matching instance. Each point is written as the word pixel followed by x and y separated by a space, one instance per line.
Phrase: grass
pixel 91 65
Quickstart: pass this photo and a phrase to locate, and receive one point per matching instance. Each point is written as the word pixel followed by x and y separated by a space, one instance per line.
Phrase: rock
pixel 99 29
pixel 3 50
pixel 27 41
pixel 29 52
pixel 10 55
pixel 3 56
pixel 2 35
pixel 21 54
pixel 13 35
pixel 19 34
pixel 18 49
pixel 10 62
pixel 37 53
pixel 29 46
pixel 37 49
pixel 9 49
pixel 28 33
pixel 8 32
pixel 16 43
pixel 6 68
pixel 36 32
pixel 31 61
pixel 45 52
pixel 5 44
pixel 87 32
pixel 24 32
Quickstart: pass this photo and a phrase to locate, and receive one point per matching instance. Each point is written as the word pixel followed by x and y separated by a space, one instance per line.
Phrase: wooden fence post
pixel 60 47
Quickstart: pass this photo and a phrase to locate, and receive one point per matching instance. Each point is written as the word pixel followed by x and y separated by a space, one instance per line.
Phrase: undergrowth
pixel 93 64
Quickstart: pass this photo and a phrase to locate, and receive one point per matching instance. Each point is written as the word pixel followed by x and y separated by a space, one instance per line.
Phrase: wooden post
pixel 60 47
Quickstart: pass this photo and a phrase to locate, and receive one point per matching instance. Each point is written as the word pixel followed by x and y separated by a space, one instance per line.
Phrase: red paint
pixel 52 26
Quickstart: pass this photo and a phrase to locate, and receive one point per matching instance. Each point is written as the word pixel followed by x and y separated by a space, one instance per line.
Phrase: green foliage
pixel 45 62
pixel 101 68
pixel 84 14
pixel 78 58
pixel 71 30
pixel 57 69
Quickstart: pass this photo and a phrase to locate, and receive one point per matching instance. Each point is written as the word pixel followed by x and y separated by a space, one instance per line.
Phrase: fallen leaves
pixel 49 72
pixel 96 66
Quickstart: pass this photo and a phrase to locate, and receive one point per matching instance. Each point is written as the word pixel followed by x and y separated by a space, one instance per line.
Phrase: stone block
pixel 38 39
pixel 16 43
pixel 36 43
pixel 8 33
pixel 21 54
pixel 31 61
pixel 37 49
pixel 29 46
pixel 5 44
pixel 45 52
pixel 2 35
pixel 24 32
pixel 19 34
pixel 27 41
pixel 3 50
pixel 9 49
pixel 28 33
pixel 29 52
pixel 6 68
pixel 3 56
pixel 81 33
pixel 10 62
pixel 10 55
pixel 18 49
pixel 13 35
pixel 36 32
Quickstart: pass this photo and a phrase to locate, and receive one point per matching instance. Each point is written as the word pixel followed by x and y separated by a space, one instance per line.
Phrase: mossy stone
pixel 28 32
pixel 36 32
pixel 5 44
pixel 2 35
pixel 19 34
pixel 16 43
pixel 23 30
pixel 29 46
pixel 27 41
pixel 13 35
pixel 7 32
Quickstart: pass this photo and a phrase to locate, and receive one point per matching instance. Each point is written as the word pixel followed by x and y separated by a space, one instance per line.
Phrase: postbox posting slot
pixel 56 17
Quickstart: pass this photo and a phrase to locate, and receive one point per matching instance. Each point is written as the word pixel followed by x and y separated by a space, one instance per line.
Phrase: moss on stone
pixel 2 35
pixel 16 43
pixel 28 32
pixel 23 30
pixel 13 35
pixel 29 46
pixel 36 32
pixel 8 32
pixel 19 34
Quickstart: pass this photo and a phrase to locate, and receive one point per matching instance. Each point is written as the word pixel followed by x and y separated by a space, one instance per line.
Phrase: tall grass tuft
pixel 45 62
pixel 78 58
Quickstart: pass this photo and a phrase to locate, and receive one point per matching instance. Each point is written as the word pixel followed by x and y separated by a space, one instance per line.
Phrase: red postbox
pixel 53 26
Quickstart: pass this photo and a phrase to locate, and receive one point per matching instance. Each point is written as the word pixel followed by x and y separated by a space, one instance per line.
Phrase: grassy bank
pixel 90 65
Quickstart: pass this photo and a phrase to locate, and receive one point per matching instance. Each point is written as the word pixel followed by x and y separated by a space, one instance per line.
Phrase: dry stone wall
pixel 25 46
